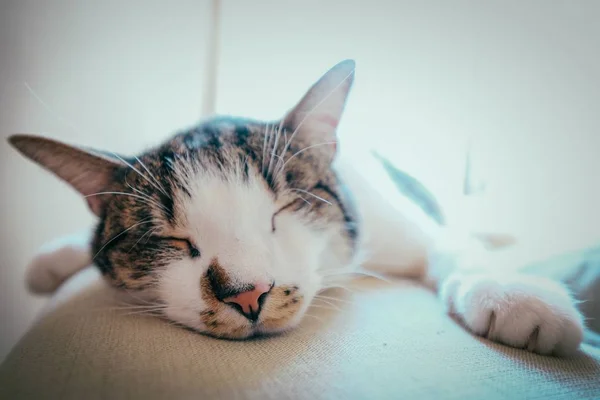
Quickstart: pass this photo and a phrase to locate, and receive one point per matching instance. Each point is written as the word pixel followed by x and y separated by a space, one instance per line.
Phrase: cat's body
pixel 234 226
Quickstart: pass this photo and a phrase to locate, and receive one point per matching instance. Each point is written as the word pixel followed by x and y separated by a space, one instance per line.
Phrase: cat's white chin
pixel 230 326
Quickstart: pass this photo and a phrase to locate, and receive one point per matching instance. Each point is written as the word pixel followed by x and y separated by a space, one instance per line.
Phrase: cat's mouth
pixel 280 311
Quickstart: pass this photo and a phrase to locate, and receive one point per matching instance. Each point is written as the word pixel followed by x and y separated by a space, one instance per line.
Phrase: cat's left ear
pixel 87 171
pixel 316 117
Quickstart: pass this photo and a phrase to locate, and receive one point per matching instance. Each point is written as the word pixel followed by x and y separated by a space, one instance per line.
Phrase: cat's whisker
pixel 274 155
pixel 134 296
pixel 119 193
pixel 144 195
pixel 315 317
pixel 376 275
pixel 139 309
pixel 360 272
pixel 310 194
pixel 145 221
pixel 140 306
pixel 281 157
pixel 185 160
pixel 273 151
pixel 350 274
pixel 321 297
pixel 151 176
pixel 341 277
pixel 136 308
pixel 282 169
pixel 49 109
pixel 266 140
pixel 337 285
pixel 218 161
pixel 306 201
pixel 333 305
pixel 245 164
pixel 138 172
pixel 272 134
pixel 149 231
pixel 325 307
pixel 148 313
pixel 122 308
pixel 148 302
pixel 149 236
pixel 147 197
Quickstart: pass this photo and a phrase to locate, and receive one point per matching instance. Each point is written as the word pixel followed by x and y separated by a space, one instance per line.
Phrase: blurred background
pixel 494 105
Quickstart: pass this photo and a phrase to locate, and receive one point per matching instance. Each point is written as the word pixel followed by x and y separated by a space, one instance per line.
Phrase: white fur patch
pixel 57 261
pixel 518 310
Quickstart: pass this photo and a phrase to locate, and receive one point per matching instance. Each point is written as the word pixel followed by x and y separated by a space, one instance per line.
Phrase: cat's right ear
pixel 317 115
pixel 87 172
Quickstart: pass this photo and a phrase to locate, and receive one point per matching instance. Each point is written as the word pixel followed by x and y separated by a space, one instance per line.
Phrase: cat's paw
pixel 56 262
pixel 521 311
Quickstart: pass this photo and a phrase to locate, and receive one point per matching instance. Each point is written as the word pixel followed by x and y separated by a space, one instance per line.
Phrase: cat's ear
pixel 317 115
pixel 86 171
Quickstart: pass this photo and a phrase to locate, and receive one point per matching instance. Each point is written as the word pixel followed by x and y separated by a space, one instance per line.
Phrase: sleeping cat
pixel 233 226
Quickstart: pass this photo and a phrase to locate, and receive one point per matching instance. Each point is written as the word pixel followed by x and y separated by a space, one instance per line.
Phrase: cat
pixel 233 226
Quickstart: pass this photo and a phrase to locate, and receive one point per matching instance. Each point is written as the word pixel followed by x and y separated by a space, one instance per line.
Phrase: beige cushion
pixel 385 341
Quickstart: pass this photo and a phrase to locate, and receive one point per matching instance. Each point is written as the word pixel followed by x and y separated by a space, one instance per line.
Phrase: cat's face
pixel 218 217
pixel 228 227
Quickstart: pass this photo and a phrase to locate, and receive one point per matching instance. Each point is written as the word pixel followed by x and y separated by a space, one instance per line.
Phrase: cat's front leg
pixel 57 261
pixel 517 310
pixel 484 289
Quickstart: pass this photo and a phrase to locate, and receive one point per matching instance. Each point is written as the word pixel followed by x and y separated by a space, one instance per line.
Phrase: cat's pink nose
pixel 249 303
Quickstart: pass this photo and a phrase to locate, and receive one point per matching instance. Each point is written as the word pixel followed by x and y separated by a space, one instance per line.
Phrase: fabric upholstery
pixel 384 341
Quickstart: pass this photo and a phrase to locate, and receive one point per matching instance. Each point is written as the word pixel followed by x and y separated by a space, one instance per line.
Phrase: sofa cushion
pixel 382 340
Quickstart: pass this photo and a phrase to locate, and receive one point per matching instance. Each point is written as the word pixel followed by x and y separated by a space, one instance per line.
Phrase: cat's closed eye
pixel 183 244
pixel 282 209
pixel 273 228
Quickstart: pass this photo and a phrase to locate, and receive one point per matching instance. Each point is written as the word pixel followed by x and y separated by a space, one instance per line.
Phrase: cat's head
pixel 230 226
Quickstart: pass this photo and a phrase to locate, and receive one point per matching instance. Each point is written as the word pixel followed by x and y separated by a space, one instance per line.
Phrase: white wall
pixel 521 78
pixel 536 120
pixel 113 74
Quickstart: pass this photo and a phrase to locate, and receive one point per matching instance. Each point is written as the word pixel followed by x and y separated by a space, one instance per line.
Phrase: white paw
pixel 56 262
pixel 521 311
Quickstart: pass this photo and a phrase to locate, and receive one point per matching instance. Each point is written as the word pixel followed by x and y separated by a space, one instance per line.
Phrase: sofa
pixel 375 339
